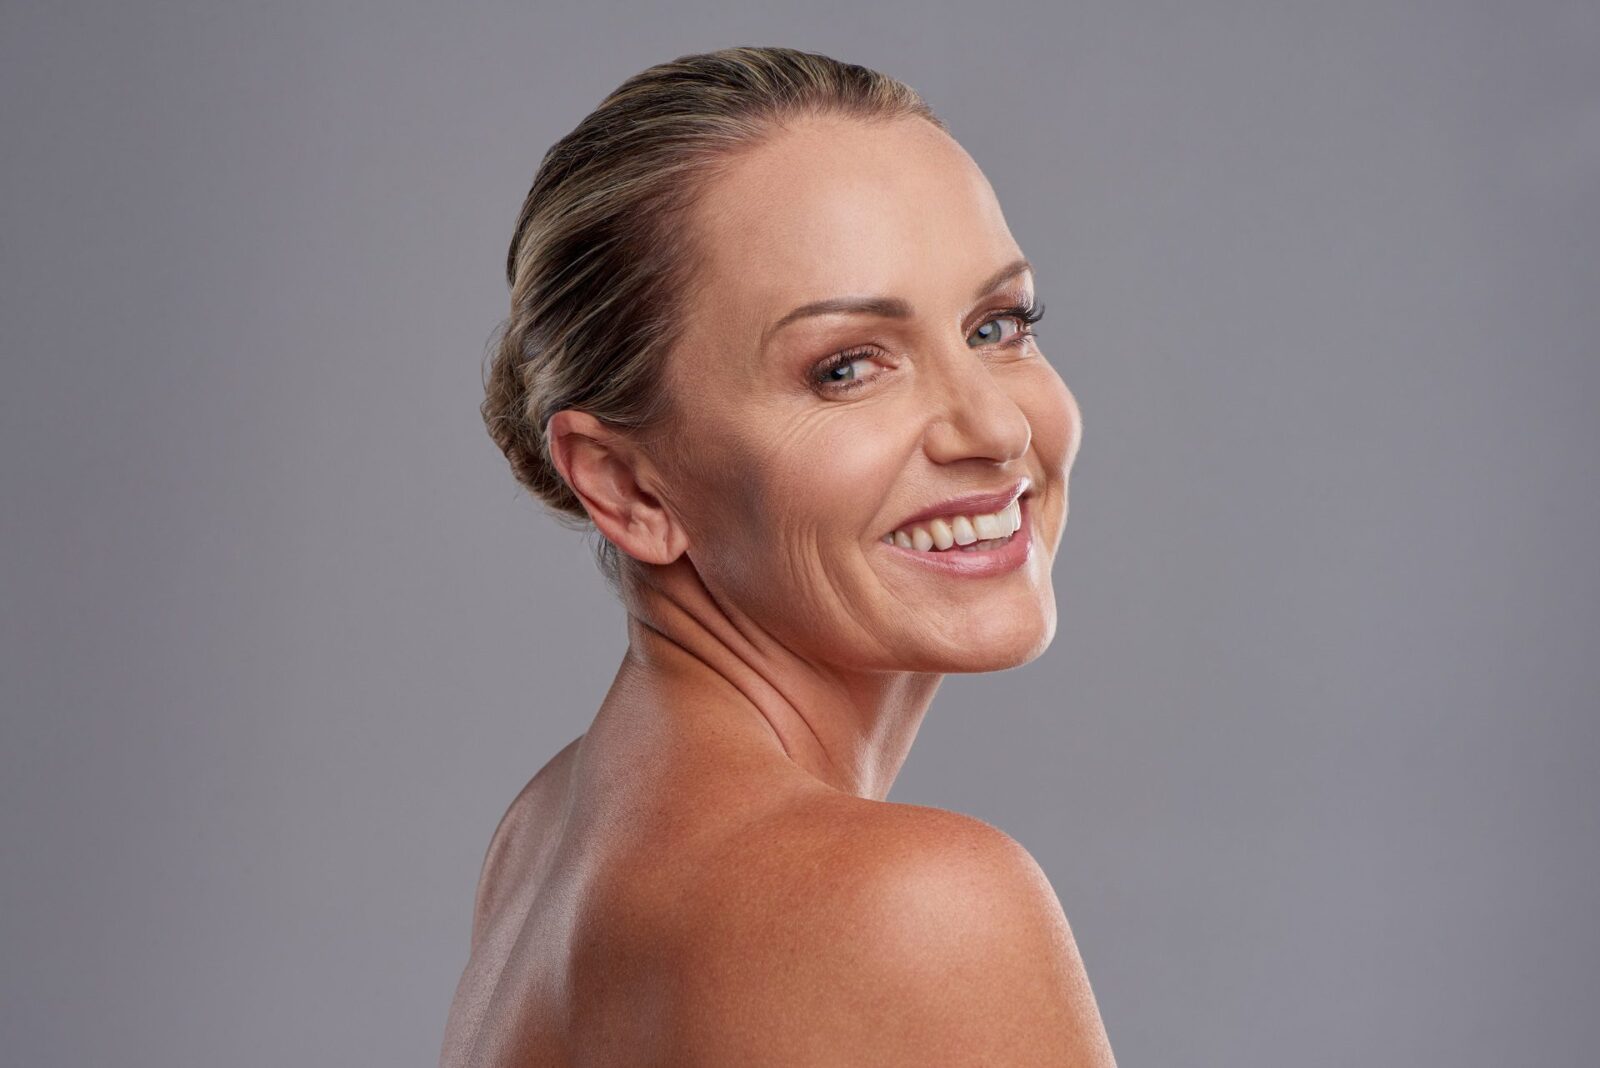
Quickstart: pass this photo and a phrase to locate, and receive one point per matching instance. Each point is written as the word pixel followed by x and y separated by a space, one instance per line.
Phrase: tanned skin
pixel 711 874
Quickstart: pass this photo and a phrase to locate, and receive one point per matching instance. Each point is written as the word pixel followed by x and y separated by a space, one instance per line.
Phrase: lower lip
pixel 981 563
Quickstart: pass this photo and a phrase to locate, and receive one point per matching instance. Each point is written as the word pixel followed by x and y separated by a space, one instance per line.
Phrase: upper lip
pixel 971 504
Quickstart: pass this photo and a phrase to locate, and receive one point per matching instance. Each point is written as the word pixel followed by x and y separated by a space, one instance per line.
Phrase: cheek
pixel 1055 418
pixel 822 483
pixel 785 532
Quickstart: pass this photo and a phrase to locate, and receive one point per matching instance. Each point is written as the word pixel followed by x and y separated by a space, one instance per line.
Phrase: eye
pixel 990 332
pixel 843 371
pixel 1022 318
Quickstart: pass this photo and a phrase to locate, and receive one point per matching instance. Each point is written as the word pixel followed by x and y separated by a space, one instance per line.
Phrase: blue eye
pixel 990 333
pixel 1023 316
pixel 838 373
pixel 834 376
pixel 831 372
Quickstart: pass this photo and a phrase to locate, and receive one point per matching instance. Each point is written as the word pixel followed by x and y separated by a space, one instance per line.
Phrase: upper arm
pixel 948 947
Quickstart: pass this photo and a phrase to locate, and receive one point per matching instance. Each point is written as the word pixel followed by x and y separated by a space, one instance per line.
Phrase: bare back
pixel 626 873
pixel 506 1006
pixel 594 873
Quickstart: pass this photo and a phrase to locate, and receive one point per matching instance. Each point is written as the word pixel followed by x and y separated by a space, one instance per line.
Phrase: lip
pixel 971 504
pixel 959 562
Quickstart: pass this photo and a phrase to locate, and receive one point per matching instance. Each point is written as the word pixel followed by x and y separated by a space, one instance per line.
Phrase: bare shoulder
pixel 887 934
pixel 519 837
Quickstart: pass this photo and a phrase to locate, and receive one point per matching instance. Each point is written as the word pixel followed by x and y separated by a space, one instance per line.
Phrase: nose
pixel 974 416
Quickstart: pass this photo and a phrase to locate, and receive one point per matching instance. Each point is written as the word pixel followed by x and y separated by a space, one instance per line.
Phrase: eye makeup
pixel 1026 310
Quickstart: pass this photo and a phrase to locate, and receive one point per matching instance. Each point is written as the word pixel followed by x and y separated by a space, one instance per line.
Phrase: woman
pixel 771 337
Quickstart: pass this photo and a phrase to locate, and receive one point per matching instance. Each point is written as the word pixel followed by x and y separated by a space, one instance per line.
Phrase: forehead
pixel 831 206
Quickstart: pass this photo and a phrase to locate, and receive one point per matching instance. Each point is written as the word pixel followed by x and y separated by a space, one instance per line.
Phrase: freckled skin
pixel 717 849
pixel 849 208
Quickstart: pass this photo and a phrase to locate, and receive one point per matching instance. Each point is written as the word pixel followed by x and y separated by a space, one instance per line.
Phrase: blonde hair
pixel 601 261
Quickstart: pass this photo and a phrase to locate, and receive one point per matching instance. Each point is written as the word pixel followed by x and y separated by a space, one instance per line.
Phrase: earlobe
pixel 602 467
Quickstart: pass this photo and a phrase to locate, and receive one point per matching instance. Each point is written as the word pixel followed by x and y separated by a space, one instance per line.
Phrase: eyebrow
pixel 888 307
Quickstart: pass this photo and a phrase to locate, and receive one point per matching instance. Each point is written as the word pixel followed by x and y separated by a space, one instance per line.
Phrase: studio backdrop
pixel 1310 762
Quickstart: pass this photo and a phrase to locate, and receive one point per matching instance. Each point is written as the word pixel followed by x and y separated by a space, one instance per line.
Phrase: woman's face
pixel 787 470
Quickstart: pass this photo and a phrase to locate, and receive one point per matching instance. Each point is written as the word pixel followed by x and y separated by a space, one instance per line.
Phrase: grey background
pixel 1311 762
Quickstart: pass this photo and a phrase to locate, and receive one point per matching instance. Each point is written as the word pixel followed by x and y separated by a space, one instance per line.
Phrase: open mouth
pixel 961 533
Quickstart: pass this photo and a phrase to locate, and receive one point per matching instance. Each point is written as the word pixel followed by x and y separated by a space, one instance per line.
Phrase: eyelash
pixel 1026 314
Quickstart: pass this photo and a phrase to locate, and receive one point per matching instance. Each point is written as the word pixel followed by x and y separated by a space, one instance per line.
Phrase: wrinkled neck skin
pixel 690 655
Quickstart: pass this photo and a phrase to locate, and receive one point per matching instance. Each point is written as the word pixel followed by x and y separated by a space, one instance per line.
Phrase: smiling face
pixel 799 446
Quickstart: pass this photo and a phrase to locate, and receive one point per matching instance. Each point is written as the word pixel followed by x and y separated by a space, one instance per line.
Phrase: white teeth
pixel 1013 518
pixel 959 530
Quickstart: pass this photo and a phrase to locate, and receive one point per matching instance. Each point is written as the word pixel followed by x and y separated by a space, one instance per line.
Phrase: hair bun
pixel 601 253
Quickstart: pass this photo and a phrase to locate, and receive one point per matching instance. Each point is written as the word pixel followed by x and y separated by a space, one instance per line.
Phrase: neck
pixel 691 654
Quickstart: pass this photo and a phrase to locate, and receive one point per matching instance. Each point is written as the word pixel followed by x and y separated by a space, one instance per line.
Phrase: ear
pixel 603 467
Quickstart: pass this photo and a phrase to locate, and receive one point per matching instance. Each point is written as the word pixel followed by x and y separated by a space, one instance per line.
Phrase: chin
pixel 1025 637
pixel 1015 656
